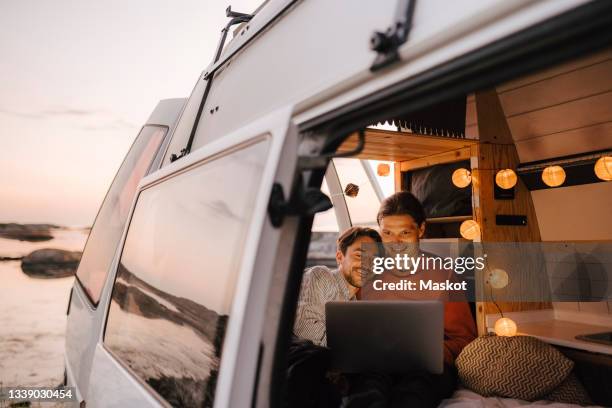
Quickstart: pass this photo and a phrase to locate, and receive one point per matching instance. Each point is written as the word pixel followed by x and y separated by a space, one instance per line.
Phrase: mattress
pixel 463 398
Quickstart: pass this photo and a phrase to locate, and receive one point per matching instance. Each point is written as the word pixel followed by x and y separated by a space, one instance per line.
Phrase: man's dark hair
pixel 402 203
pixel 350 235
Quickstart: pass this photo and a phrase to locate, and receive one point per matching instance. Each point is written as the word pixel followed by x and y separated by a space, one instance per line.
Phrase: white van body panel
pixel 317 55
pixel 114 386
pixel 85 321
pixel 126 388
pixel 468 26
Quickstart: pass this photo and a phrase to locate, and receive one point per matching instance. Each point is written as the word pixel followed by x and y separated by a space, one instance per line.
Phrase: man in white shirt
pixel 321 284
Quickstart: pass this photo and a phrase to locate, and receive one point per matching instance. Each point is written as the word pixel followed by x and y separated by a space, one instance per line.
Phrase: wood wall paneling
pixel 497 151
pixel 561 118
pixel 583 140
pixel 557 70
pixel 401 146
pixel 573 85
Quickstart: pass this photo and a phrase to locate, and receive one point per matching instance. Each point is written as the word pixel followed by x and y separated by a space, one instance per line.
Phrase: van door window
pixel 177 274
pixel 110 221
pixel 363 189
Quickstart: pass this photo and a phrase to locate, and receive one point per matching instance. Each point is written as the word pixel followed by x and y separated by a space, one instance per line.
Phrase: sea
pixel 33 314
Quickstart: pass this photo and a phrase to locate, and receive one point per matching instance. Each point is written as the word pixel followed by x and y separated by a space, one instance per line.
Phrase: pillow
pixel 520 367
pixel 570 391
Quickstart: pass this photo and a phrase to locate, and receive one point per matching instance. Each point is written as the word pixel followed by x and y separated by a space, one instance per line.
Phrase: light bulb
pixel 383 169
pixel 462 178
pixel 498 278
pixel 469 229
pixel 506 179
pixel 553 176
pixel 505 327
pixel 603 168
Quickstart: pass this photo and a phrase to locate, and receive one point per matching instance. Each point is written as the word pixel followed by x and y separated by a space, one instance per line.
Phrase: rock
pixel 27 232
pixel 51 263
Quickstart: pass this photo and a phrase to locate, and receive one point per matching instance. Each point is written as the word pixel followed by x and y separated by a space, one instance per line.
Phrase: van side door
pixel 176 324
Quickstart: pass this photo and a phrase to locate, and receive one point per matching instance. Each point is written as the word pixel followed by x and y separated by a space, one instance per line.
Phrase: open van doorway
pixel 491 175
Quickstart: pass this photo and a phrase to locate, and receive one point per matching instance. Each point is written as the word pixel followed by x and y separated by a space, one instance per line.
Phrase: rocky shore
pixel 50 263
pixel 27 232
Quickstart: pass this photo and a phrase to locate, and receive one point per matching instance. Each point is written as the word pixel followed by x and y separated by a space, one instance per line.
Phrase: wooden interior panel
pixel 575 141
pixel 567 116
pixel 471 127
pixel 428 161
pixel 401 146
pixel 496 151
pixel 556 70
pixel 573 85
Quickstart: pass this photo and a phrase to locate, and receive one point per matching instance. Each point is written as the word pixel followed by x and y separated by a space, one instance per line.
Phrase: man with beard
pixel 321 284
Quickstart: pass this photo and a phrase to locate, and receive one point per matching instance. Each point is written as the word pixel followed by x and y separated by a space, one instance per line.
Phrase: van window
pixel 325 221
pixel 362 203
pixel 176 278
pixel 111 218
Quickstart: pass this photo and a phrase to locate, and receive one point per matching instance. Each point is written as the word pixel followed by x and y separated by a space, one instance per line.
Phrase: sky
pixel 77 81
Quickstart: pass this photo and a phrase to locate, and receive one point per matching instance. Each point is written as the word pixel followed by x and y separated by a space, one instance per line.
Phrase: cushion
pixel 570 391
pixel 520 367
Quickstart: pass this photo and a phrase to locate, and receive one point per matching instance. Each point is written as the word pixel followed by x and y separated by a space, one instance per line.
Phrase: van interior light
pixel 462 178
pixel 383 169
pixel 603 168
pixel 505 327
pixel 506 179
pixel 498 278
pixel 469 229
pixel 553 176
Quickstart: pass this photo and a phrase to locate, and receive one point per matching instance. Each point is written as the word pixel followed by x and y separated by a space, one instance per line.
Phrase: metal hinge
pixel 387 43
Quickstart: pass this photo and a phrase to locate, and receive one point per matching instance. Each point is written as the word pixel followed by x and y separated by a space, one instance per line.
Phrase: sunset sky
pixel 78 79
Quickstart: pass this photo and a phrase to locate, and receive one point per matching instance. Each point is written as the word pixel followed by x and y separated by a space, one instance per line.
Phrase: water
pixel 33 314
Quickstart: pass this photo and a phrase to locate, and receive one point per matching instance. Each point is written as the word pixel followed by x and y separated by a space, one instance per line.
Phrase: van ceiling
pixel 561 111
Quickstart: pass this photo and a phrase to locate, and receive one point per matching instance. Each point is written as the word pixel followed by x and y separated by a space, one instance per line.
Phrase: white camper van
pixel 187 289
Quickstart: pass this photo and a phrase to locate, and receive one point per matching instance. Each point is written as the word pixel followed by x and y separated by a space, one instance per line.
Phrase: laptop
pixel 386 336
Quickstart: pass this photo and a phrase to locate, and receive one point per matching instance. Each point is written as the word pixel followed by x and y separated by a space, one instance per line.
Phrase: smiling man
pixel 321 284
pixel 401 218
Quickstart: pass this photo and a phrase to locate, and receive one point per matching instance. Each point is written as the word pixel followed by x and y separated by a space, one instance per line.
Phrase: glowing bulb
pixel 505 327
pixel 383 169
pixel 498 278
pixel 506 179
pixel 469 229
pixel 462 178
pixel 553 176
pixel 603 168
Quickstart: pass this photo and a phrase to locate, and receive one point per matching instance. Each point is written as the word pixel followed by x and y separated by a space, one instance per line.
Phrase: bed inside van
pixel 527 161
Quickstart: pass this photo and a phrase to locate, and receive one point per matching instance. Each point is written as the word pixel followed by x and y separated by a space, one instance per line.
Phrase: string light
pixel 603 168
pixel 505 327
pixel 553 176
pixel 498 278
pixel 462 178
pixel 506 179
pixel 383 169
pixel 469 229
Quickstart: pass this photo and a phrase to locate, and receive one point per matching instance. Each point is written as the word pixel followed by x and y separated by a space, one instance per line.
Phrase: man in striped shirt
pixel 321 284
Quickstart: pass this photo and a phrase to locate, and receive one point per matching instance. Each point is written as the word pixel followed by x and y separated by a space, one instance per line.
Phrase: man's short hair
pixel 402 203
pixel 350 235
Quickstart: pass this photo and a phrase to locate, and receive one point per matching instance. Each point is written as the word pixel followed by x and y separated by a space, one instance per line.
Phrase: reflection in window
pixel 111 218
pixel 176 279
